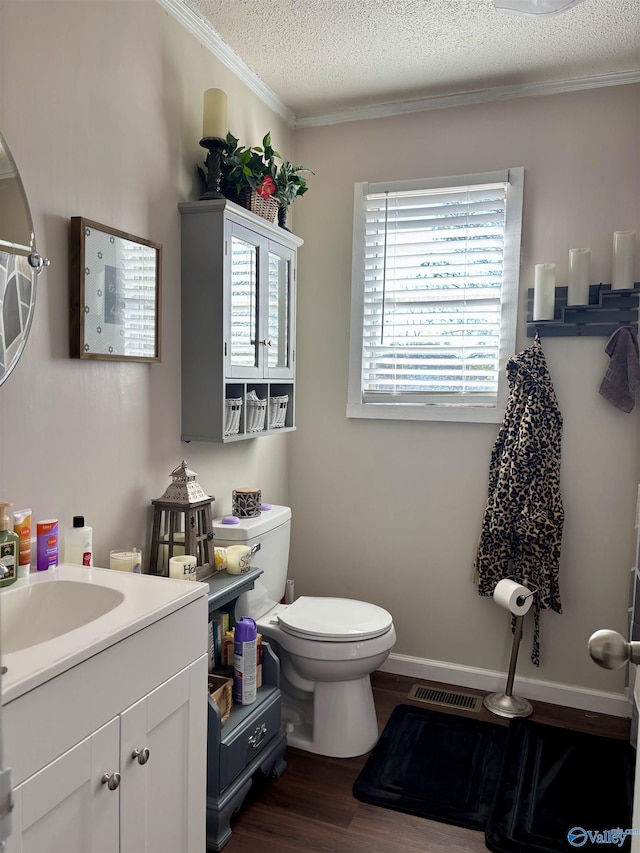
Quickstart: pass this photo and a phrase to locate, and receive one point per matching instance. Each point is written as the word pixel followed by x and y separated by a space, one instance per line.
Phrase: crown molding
pixel 479 96
pixel 205 33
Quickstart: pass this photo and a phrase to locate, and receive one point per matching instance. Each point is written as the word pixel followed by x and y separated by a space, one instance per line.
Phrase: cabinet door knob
pixel 141 754
pixel 111 780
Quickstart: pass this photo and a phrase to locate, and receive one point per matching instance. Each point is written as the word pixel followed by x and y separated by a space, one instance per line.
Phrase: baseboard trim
pixel 616 704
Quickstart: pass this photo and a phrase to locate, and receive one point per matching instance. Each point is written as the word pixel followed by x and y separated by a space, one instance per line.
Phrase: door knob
pixel 141 754
pixel 111 780
pixel 611 651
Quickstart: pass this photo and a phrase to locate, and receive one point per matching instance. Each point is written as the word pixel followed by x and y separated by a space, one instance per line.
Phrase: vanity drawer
pixel 249 738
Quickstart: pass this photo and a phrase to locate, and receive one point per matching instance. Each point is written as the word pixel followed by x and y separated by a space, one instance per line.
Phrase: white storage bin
pixel 256 411
pixel 232 412
pixel 278 411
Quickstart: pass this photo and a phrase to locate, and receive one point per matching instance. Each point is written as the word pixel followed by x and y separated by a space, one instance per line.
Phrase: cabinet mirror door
pixel 279 312
pixel 243 355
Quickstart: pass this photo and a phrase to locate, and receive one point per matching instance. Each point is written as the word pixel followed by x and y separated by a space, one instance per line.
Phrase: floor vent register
pixel 445 698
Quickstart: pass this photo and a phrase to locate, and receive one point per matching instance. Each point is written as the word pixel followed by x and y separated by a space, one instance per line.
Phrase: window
pixel 434 297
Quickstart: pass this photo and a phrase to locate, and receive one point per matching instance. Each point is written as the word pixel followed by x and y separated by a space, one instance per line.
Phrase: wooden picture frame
pixel 114 294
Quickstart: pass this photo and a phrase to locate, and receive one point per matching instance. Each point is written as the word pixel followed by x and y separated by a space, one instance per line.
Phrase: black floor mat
pixel 435 765
pixel 528 786
pixel 555 782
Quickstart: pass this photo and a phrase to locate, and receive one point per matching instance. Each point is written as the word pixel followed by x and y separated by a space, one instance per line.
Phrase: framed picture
pixel 114 294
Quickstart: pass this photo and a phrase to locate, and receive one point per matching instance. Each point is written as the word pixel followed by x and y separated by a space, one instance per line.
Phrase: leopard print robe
pixel 523 519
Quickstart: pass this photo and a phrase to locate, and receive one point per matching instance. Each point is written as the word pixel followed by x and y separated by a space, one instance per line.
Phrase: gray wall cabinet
pixel 238 323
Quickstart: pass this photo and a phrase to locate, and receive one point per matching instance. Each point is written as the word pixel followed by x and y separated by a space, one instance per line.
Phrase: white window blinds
pixel 435 278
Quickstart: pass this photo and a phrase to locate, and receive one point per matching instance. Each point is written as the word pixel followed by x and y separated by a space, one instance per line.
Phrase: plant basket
pixel 267 208
pixel 220 690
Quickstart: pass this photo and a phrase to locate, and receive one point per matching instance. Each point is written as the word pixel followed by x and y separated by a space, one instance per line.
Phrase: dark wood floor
pixel 311 806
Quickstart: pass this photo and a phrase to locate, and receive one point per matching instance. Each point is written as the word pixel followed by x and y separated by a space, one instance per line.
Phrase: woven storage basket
pixel 278 411
pixel 220 690
pixel 232 412
pixel 265 207
pixel 256 411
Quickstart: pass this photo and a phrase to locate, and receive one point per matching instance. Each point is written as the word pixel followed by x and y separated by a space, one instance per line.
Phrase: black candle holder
pixel 216 146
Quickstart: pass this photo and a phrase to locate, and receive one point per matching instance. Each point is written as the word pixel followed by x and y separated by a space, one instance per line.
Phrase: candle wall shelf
pixel 607 310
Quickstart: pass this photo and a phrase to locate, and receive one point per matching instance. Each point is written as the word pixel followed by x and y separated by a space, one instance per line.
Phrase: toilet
pixel 327 647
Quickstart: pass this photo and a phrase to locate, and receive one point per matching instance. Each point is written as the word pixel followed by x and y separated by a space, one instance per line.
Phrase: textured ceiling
pixel 320 56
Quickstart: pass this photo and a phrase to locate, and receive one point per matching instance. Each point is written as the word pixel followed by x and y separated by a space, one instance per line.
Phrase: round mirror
pixel 19 264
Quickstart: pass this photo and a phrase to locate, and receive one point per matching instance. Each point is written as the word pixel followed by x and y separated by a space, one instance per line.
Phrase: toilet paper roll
pixel 507 593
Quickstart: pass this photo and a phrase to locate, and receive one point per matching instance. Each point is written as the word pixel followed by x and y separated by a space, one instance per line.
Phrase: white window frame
pixel 478 412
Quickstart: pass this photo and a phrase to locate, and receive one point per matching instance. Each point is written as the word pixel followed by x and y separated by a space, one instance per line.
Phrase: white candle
pixel 578 282
pixel 544 291
pixel 624 250
pixel 126 561
pixel 238 559
pixel 215 114
pixel 183 568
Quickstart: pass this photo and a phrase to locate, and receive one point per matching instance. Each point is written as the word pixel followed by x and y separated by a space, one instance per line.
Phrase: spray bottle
pixel 245 661
pixel 9 548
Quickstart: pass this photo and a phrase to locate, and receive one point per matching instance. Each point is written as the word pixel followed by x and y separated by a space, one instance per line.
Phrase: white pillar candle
pixel 126 561
pixel 214 123
pixel 624 250
pixel 578 282
pixel 544 291
pixel 183 568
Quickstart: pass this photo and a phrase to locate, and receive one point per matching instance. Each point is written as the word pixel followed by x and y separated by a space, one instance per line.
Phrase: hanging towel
pixel 523 519
pixel 622 379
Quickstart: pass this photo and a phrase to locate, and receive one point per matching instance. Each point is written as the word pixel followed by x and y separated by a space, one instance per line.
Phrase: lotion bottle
pixel 9 548
pixel 78 546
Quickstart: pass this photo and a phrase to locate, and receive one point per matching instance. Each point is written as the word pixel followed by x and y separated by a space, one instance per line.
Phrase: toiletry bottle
pixel 22 529
pixel 78 546
pixel 245 661
pixel 9 548
pixel 47 536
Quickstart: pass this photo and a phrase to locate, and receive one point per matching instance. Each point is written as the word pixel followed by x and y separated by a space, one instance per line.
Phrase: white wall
pixel 100 102
pixel 101 105
pixel 391 511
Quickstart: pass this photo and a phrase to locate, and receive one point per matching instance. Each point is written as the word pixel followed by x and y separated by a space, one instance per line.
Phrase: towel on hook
pixel 622 379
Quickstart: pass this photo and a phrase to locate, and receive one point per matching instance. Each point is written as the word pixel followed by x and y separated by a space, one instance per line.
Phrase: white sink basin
pixel 53 620
pixel 30 615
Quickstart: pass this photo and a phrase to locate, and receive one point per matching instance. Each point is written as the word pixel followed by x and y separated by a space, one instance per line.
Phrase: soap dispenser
pixel 9 548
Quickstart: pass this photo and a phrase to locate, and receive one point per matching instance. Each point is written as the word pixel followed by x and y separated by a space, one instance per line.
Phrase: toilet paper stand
pixel 506 704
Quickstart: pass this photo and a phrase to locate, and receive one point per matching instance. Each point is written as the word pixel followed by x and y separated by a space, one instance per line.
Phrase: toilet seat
pixel 334 619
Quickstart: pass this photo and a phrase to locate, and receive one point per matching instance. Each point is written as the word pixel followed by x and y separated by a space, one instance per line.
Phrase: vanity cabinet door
pixel 163 789
pixel 65 807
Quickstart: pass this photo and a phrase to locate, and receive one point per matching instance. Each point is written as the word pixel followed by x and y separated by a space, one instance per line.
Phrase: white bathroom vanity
pixel 104 717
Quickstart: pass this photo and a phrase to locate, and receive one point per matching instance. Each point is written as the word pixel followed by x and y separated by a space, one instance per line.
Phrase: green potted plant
pixel 253 168
pixel 247 175
pixel 251 177
pixel 289 185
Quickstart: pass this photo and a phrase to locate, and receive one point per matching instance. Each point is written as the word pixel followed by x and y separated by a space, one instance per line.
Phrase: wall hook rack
pixel 606 311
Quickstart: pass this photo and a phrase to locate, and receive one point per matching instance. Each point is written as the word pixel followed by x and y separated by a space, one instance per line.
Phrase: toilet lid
pixel 337 619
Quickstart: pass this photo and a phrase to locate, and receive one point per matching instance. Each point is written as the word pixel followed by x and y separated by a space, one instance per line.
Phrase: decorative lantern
pixel 182 524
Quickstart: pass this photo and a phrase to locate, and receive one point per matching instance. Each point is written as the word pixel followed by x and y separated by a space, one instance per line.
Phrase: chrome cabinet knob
pixel 141 754
pixel 111 780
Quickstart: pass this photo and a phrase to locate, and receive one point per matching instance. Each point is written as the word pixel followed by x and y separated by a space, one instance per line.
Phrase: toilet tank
pixel 272 530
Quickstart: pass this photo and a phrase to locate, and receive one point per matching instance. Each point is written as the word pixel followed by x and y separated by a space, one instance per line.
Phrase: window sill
pixel 486 414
